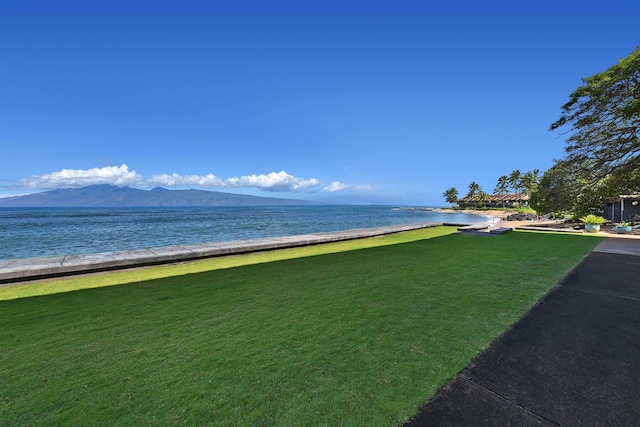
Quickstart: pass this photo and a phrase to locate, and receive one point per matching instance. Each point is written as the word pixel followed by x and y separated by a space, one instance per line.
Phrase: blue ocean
pixel 43 232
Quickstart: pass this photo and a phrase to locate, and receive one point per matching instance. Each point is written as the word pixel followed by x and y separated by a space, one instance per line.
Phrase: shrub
pixel 593 219
pixel 526 211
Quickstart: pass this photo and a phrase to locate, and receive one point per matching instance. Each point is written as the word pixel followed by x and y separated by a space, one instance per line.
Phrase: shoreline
pixel 40 232
pixel 498 218
pixel 493 217
pixel 488 213
pixel 29 269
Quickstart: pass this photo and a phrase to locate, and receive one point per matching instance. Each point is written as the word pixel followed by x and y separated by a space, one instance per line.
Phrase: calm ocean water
pixel 42 232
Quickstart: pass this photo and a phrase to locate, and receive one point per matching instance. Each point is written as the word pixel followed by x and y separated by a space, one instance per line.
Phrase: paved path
pixel 37 268
pixel 573 360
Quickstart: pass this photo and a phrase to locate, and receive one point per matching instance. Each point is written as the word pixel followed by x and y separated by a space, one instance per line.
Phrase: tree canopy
pixel 563 189
pixel 604 116
pixel 603 142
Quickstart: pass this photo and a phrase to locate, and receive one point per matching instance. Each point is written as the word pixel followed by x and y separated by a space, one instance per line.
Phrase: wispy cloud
pixel 4 196
pixel 122 175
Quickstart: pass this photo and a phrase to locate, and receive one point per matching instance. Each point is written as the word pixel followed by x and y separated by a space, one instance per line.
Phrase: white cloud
pixel 175 180
pixel 79 178
pixel 335 186
pixel 273 182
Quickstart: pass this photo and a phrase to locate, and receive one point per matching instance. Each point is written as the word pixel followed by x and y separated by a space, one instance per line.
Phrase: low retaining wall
pixel 12 271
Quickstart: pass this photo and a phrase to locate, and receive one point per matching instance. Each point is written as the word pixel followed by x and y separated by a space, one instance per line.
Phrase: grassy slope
pixel 361 337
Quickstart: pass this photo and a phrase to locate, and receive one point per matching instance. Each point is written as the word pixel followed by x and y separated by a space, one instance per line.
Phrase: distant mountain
pixel 114 196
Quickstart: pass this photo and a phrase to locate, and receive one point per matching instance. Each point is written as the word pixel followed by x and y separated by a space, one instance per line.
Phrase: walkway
pixel 573 360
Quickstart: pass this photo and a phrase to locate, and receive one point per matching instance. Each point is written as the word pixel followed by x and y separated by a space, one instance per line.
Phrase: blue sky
pixel 386 102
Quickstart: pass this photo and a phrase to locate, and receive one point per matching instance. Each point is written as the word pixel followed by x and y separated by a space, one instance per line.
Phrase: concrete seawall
pixel 13 271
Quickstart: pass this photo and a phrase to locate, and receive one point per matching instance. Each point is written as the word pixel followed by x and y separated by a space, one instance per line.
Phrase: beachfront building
pixel 623 208
pixel 512 200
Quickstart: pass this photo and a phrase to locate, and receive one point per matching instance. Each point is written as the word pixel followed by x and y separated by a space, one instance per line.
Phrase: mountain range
pixel 105 195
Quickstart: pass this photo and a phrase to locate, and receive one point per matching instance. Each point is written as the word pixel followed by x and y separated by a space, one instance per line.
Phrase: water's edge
pixel 47 232
pixel 15 271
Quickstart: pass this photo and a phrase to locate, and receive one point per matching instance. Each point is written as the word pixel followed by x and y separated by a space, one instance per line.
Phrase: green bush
pixel 526 210
pixel 593 219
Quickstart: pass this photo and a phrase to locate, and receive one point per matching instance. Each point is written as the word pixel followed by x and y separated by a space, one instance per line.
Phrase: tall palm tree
pixel 451 195
pixel 515 180
pixel 502 187
pixel 530 181
pixel 474 188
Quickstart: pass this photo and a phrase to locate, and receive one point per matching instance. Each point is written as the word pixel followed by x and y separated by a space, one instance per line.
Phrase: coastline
pixel 490 214
pixel 487 213
pixel 47 232
pixel 498 218
pixel 494 216
pixel 23 270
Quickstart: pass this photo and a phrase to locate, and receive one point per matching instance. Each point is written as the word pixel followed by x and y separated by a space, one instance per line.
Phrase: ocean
pixel 44 232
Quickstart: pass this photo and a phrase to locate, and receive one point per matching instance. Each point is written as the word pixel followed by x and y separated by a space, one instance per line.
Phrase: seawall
pixel 21 270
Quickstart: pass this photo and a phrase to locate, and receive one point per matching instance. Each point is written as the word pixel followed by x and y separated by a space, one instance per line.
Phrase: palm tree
pixel 502 187
pixel 451 195
pixel 530 181
pixel 474 188
pixel 483 198
pixel 515 180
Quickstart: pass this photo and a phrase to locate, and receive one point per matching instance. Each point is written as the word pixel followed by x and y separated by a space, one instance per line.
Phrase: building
pixel 623 208
pixel 512 200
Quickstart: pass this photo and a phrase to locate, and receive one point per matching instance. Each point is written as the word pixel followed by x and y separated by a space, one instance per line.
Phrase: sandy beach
pixel 500 216
pixel 495 214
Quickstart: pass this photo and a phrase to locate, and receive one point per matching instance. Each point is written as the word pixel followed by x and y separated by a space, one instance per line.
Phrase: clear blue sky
pixel 351 101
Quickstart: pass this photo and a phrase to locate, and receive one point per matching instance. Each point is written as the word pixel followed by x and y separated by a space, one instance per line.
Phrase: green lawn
pixel 339 334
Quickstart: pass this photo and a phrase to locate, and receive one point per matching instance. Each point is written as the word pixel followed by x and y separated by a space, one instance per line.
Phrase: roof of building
pixel 511 197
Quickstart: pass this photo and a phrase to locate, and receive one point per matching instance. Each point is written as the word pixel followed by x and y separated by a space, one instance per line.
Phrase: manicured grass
pixel 359 337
